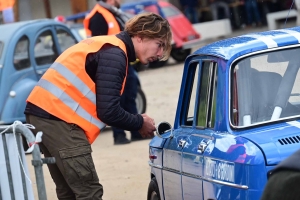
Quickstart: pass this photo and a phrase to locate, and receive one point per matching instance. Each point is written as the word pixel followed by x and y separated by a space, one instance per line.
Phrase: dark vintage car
pixel 238 116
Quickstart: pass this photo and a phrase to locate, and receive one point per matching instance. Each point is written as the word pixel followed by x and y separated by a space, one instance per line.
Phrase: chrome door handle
pixel 202 146
pixel 182 143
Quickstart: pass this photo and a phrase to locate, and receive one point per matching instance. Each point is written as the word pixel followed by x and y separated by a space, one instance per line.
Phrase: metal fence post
pixel 37 161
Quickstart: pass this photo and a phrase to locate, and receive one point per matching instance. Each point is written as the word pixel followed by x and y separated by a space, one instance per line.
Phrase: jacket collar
pixel 124 36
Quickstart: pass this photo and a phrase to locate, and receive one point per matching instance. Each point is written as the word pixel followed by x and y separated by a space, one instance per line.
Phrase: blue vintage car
pixel 238 116
pixel 27 49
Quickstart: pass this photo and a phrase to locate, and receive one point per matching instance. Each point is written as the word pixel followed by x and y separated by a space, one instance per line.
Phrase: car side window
pixel 190 93
pixel 45 51
pixel 21 54
pixel 65 39
pixel 206 107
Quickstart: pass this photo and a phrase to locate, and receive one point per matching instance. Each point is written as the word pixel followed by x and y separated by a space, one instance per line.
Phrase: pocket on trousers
pixel 78 164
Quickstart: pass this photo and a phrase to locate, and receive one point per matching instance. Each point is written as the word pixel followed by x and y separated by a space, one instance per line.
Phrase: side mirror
pixel 162 128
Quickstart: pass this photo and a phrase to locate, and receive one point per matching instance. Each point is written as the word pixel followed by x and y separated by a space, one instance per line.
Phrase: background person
pixel 297 4
pixel 80 93
pixel 285 180
pixel 252 12
pixel 215 5
pixel 107 19
pixel 190 9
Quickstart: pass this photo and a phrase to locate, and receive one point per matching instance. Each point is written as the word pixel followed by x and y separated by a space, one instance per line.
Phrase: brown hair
pixel 152 26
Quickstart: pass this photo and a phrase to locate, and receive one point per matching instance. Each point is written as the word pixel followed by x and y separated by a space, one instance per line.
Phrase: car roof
pixel 8 30
pixel 232 48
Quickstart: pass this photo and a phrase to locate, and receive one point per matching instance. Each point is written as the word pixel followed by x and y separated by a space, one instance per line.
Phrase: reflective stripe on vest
pixel 73 105
pixel 77 82
pixel 113 26
pixel 67 91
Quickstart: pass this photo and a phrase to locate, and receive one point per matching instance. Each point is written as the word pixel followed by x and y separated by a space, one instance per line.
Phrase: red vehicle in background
pixel 184 35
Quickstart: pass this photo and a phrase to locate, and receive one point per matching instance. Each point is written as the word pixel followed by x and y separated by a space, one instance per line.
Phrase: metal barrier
pixel 15 183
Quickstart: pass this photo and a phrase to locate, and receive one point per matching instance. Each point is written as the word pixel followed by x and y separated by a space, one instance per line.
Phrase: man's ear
pixel 139 39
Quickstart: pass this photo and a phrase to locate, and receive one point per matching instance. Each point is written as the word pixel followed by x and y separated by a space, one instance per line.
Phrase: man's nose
pixel 160 53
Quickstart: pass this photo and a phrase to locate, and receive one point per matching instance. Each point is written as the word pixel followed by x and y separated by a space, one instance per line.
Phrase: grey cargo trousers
pixel 74 173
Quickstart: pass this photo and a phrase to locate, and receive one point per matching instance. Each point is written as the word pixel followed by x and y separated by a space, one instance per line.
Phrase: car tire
pixel 24 143
pixel 153 191
pixel 141 102
pixel 157 64
pixel 179 54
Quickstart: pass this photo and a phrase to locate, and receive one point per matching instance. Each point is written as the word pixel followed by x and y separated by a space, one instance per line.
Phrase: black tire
pixel 180 54
pixel 157 64
pixel 25 144
pixel 153 191
pixel 141 102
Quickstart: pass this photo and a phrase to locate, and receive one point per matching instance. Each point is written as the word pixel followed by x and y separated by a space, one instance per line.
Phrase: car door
pixel 200 120
pixel 49 44
pixel 64 38
pixel 172 153
pixel 45 50
pixel 172 166
pixel 17 78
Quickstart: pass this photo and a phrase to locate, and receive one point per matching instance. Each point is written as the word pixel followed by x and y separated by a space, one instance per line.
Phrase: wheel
pixel 153 191
pixel 157 64
pixel 141 102
pixel 180 54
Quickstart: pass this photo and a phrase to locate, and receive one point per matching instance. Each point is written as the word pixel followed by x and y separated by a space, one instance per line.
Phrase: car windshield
pixel 265 88
pixel 1 48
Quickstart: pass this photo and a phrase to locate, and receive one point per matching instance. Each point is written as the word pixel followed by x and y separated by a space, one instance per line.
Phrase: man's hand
pixel 148 127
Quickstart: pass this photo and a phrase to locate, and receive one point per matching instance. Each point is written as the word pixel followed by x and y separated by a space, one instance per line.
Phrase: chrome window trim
pixel 213 68
pixel 208 93
pixel 197 61
pixel 230 85
pixel 213 95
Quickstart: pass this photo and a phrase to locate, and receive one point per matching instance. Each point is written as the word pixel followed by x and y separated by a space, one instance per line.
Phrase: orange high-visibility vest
pixel 67 91
pixel 113 26
pixel 4 4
